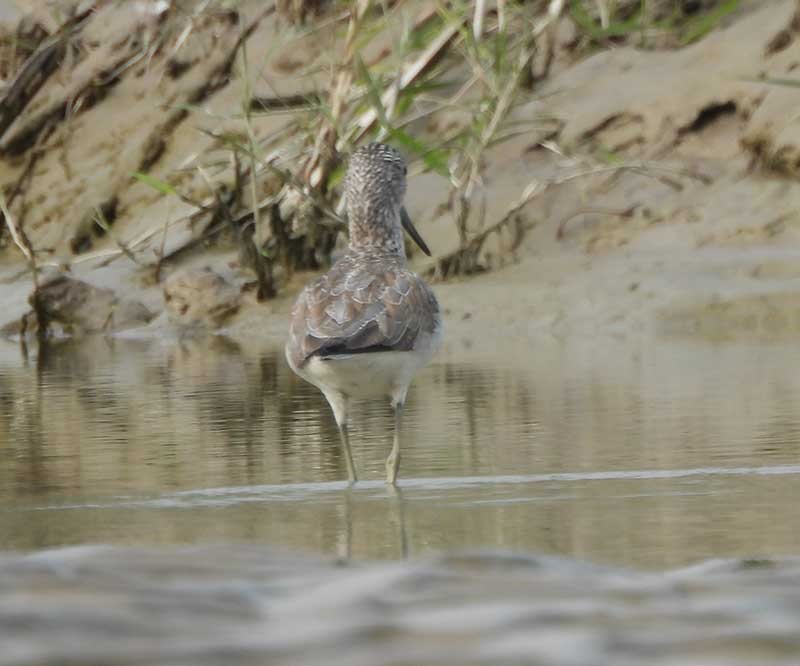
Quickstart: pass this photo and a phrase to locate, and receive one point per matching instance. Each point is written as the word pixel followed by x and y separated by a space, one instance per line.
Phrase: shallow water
pixel 654 456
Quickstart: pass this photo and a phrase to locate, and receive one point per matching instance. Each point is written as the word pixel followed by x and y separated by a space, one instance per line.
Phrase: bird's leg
pixel 393 461
pixel 338 402
pixel 348 456
pixel 394 492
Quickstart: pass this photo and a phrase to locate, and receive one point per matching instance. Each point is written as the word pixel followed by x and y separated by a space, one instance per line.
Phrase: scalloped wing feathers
pixel 358 307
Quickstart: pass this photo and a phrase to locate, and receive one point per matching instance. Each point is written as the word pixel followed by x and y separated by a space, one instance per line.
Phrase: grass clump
pixel 649 24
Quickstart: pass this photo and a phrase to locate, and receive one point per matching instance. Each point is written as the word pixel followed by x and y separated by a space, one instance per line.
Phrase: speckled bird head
pixel 374 189
pixel 376 178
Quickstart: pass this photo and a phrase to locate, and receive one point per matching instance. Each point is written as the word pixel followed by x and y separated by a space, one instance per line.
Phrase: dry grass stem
pixel 101 221
pixel 477 19
pixel 364 122
pixel 605 15
pixel 318 166
pixel 561 227
pixel 20 239
pixel 38 68
pixel 465 259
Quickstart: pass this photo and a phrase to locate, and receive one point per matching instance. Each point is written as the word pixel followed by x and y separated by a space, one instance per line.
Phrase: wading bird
pixel 364 328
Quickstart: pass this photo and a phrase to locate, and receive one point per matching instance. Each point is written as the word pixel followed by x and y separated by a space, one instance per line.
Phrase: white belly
pixel 369 375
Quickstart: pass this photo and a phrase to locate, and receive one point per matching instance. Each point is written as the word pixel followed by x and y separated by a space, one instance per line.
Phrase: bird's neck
pixel 376 230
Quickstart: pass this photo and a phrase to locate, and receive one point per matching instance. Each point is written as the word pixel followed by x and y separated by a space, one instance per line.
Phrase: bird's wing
pixel 354 309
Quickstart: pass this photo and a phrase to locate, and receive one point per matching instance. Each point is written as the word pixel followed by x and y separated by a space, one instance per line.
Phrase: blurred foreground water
pixel 605 460
pixel 248 605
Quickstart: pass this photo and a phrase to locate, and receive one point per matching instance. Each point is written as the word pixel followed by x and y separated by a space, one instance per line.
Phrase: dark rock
pixel 79 307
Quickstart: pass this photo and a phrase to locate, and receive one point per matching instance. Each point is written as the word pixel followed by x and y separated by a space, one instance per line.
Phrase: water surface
pixel 652 455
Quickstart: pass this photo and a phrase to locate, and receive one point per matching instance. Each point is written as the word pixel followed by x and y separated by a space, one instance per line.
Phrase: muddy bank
pixel 701 239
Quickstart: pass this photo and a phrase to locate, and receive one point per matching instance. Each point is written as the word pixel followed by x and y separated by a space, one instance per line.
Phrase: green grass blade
pixel 702 25
pixel 155 183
